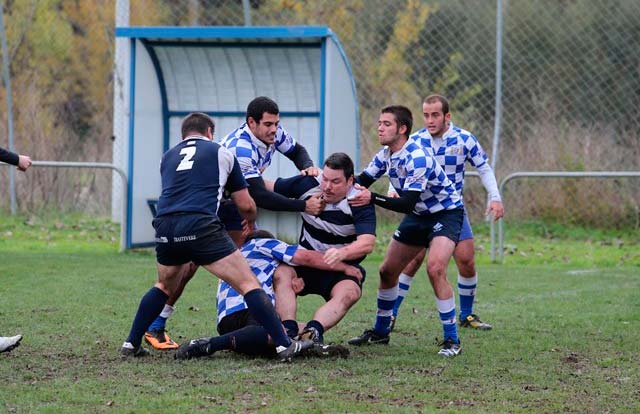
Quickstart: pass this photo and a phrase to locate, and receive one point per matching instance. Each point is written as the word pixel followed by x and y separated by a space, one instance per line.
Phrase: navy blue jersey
pixel 337 226
pixel 195 173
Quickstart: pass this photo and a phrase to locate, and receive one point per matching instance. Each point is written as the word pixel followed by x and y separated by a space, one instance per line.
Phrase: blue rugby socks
pixel 263 311
pixel 161 320
pixel 404 283
pixel 447 312
pixel 150 307
pixel 386 299
pixel 467 292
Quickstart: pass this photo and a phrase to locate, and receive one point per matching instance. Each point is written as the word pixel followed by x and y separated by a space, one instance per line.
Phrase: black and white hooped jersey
pixel 337 226
pixel 194 175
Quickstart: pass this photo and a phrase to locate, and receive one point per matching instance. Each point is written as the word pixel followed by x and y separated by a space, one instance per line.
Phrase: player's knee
pixel 386 273
pixel 283 275
pixel 436 269
pixel 350 295
pixel 467 266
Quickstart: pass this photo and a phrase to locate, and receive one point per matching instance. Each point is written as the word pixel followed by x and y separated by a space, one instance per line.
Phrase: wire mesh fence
pixel 570 81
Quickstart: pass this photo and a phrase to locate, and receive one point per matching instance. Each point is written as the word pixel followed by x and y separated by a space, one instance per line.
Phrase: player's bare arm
pixel 362 246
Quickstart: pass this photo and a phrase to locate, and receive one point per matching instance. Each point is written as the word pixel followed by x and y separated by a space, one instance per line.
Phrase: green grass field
pixel 565 309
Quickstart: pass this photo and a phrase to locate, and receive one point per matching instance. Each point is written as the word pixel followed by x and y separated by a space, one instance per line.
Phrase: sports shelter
pixel 173 71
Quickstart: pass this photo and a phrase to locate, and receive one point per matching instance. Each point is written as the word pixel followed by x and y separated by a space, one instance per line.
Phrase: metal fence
pixel 564 77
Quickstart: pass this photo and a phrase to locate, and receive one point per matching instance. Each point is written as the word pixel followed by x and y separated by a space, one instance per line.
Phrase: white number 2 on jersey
pixel 187 162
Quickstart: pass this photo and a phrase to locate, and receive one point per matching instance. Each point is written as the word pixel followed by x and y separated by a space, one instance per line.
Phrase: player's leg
pixel 239 332
pixel 405 280
pixel 440 252
pixel 150 307
pixel 235 270
pixel 343 295
pixel 398 255
pixel 156 334
pixel 464 256
pixel 286 305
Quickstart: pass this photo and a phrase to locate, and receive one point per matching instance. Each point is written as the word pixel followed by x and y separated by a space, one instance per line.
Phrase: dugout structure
pixel 173 71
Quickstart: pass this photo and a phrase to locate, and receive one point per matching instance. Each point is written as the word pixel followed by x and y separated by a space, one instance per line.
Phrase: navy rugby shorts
pixel 197 238
pixel 420 230
pixel 321 282
pixel 230 215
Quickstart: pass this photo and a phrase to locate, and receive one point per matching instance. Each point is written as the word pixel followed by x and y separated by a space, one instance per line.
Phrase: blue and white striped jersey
pixel 254 155
pixel 194 174
pixel 337 226
pixel 457 146
pixel 263 256
pixel 414 169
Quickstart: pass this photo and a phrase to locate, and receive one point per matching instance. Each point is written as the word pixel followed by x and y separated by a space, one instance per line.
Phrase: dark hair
pixel 402 114
pixel 259 106
pixel 259 234
pixel 197 122
pixel 340 161
pixel 438 98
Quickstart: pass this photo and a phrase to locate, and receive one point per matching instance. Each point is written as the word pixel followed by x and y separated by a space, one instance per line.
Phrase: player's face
pixel 334 185
pixel 434 120
pixel 265 130
pixel 388 130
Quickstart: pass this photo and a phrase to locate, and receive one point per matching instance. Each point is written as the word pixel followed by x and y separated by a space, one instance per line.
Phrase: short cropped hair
pixel 402 114
pixel 197 122
pixel 431 99
pixel 259 106
pixel 259 234
pixel 340 161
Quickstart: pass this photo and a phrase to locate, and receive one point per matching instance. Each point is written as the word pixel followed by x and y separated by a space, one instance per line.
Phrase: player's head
pixel 198 123
pixel 259 234
pixel 436 115
pixel 263 118
pixel 394 124
pixel 337 177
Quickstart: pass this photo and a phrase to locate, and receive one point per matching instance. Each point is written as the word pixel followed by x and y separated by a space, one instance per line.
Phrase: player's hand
pixel 497 208
pixel 297 284
pixel 392 194
pixel 353 272
pixel 311 171
pixel 333 256
pixel 363 198
pixel 314 205
pixel 24 162
pixel 248 227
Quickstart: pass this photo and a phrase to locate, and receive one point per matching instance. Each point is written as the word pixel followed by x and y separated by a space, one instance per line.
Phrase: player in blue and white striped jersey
pixel 254 144
pixel 452 148
pixel 342 232
pixel 238 330
pixel 433 220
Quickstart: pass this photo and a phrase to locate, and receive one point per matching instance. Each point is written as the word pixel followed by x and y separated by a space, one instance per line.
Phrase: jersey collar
pixel 196 137
pixel 254 139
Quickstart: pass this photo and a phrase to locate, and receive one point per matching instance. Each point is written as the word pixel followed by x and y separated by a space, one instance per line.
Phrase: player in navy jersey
pixel 238 330
pixel 194 174
pixel 342 232
pixel 433 220
pixel 452 148
pixel 254 144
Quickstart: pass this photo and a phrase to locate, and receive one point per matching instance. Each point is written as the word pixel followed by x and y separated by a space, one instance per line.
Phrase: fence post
pixel 7 84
